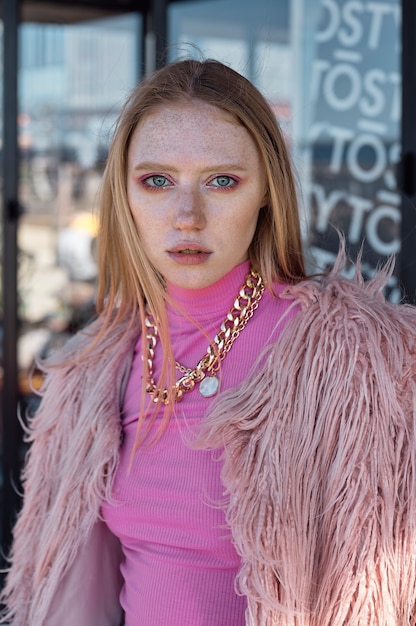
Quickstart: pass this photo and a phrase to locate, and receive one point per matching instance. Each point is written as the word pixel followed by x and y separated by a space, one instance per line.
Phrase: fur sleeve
pixel 319 463
pixel 74 441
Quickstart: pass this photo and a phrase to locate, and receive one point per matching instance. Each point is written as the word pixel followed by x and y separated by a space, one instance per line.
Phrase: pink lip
pixel 189 254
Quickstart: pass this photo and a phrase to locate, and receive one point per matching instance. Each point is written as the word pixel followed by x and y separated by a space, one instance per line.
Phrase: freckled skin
pixel 195 185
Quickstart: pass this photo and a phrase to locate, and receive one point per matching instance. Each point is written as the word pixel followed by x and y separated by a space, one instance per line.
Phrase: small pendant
pixel 209 386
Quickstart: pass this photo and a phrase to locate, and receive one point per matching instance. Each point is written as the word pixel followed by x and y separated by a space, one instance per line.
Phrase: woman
pixel 306 390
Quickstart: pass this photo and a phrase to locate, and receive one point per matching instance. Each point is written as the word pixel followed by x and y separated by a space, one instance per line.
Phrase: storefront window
pixel 72 82
pixel 254 38
pixel 353 133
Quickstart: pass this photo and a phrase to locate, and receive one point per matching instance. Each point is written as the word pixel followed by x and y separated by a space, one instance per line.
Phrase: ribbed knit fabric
pixel 180 564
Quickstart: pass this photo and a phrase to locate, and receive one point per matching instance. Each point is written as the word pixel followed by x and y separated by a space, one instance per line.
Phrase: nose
pixel 189 213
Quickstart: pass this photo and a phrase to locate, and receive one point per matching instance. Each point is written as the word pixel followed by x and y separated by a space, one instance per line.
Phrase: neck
pixel 205 302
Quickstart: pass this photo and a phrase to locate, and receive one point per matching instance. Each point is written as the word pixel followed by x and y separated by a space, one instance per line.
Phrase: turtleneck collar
pixel 206 302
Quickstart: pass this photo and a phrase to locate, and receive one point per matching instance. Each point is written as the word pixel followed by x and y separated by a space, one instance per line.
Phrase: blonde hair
pixel 127 280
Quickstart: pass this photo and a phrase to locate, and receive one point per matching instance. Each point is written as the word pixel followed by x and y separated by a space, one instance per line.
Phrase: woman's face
pixel 195 185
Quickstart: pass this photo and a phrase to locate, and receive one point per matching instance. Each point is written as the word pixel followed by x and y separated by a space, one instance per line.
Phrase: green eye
pixel 156 181
pixel 223 181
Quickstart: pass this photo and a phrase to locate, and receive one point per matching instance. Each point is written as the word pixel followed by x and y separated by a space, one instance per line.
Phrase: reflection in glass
pixel 73 80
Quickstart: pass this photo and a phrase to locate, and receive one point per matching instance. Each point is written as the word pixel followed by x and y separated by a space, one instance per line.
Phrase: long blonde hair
pixel 127 280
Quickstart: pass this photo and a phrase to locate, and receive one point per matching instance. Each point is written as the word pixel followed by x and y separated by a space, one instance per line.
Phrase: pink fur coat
pixel 319 452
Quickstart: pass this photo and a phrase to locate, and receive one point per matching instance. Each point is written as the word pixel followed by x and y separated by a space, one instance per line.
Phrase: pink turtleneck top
pixel 179 564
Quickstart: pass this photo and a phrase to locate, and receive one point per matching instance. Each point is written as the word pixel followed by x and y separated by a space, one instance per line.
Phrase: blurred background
pixel 339 75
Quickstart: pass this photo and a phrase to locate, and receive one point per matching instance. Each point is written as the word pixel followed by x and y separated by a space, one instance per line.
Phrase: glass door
pixel 72 80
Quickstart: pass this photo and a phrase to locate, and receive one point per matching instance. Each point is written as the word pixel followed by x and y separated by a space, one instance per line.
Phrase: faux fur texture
pixel 75 438
pixel 319 464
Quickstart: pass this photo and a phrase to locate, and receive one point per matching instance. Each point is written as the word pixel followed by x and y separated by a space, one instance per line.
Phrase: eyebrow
pixel 215 167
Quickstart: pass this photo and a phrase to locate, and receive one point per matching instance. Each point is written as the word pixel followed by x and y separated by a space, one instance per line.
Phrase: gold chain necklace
pixel 242 310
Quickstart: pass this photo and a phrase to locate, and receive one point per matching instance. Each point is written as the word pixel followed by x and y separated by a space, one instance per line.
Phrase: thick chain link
pixel 241 312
